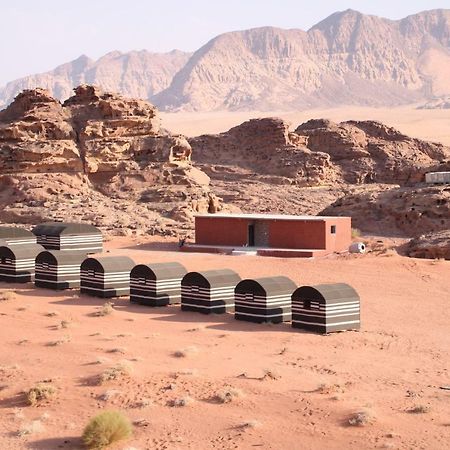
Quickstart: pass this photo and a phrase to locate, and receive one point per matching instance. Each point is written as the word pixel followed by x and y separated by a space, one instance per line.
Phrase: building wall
pixel 290 234
pixel 297 234
pixel 221 231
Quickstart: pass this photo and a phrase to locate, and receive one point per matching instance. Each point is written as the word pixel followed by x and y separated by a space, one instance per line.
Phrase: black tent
pixel 56 269
pixel 107 276
pixel 157 284
pixel 326 307
pixel 69 236
pixel 17 262
pixel 211 291
pixel 264 299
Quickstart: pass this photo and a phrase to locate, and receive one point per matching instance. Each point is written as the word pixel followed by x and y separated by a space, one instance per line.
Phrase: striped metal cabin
pixel 69 237
pixel 16 236
pixel 56 269
pixel 325 308
pixel 264 300
pixel 107 276
pixel 157 284
pixel 17 262
pixel 207 292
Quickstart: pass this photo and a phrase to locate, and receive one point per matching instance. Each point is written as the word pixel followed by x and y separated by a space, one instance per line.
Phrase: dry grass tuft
pixel 40 393
pixel 109 394
pixel 61 341
pixel 52 314
pixel 191 372
pixel 251 424
pixel 105 429
pixel 361 418
pixel 183 401
pixel 271 375
pixel 117 372
pixel 229 394
pixel 419 409
pixel 192 350
pixel 144 403
pixel 121 350
pixel 105 310
pixel 30 428
pixel 7 296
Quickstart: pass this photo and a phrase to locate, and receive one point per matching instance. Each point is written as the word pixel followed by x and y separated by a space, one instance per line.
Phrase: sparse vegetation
pixel 40 393
pixel 228 395
pixel 30 428
pixel 356 233
pixel 183 401
pixel 271 375
pixel 61 341
pixel 186 352
pixel 251 424
pixel 105 429
pixel 52 314
pixel 105 310
pixel 119 371
pixel 120 350
pixel 419 409
pixel 361 418
pixel 7 296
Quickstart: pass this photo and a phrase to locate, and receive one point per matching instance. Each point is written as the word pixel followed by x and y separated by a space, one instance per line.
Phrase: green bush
pixel 106 428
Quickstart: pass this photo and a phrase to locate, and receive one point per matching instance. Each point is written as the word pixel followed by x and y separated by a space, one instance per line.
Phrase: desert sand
pixel 296 389
pixel 432 125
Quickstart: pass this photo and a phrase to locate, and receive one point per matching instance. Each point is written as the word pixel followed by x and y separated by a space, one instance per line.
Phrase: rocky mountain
pixel 137 74
pixel 347 59
pixel 98 157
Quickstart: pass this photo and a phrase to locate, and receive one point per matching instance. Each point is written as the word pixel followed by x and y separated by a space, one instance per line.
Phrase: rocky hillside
pixel 98 157
pixel 137 74
pixel 348 58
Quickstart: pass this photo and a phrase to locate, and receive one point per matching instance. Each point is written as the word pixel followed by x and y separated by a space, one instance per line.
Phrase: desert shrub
pixel 356 233
pixel 185 352
pixel 121 370
pixel 106 428
pixel 183 401
pixel 30 428
pixel 40 393
pixel 361 418
pixel 228 394
pixel 419 409
pixel 105 310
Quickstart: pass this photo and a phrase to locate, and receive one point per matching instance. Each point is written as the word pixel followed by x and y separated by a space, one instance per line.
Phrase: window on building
pixel 333 229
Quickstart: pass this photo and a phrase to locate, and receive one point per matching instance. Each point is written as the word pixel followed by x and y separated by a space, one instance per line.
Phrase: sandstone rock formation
pixel 102 151
pixel 348 58
pixel 136 74
pixel 406 211
pixel 319 152
pixel 431 246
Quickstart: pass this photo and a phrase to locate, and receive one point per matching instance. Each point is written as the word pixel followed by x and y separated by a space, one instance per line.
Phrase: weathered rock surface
pixel 385 210
pixel 432 246
pixel 100 151
pixel 319 152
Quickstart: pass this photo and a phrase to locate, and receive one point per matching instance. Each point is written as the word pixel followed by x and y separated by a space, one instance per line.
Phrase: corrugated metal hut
pixel 325 308
pixel 211 291
pixel 107 276
pixel 69 236
pixel 16 236
pixel 157 284
pixel 17 262
pixel 264 299
pixel 56 269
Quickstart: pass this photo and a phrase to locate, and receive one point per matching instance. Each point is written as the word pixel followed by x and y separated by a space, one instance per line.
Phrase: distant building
pixel 437 178
pixel 271 235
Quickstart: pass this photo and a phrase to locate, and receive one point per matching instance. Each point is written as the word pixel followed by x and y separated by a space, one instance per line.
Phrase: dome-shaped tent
pixel 17 262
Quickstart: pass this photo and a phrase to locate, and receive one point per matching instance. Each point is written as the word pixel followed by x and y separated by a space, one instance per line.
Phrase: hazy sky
pixel 37 35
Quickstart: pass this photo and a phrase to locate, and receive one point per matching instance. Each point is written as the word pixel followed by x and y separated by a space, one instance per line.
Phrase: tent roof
pixel 330 293
pixel 162 270
pixel 26 251
pixel 111 263
pixel 63 257
pixel 269 285
pixel 14 232
pixel 215 278
pixel 65 228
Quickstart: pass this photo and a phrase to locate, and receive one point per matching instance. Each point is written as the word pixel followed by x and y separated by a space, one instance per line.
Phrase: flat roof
pixel 269 217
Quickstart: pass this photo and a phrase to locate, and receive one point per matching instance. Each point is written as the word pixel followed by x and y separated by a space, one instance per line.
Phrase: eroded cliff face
pixel 98 157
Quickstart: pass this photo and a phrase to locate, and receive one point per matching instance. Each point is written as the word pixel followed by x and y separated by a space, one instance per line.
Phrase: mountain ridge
pixel 348 58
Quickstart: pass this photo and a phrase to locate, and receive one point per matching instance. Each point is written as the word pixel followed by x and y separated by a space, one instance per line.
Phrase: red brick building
pixel 272 235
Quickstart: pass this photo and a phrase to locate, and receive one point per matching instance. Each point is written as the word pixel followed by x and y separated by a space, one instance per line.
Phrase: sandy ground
pixel 433 125
pixel 398 361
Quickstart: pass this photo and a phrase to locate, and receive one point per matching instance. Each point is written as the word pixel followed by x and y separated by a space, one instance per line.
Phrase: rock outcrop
pixel 407 211
pixel 104 152
pixel 320 152
pixel 431 246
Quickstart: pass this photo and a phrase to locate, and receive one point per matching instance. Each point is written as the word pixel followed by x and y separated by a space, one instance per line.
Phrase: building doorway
pixel 251 235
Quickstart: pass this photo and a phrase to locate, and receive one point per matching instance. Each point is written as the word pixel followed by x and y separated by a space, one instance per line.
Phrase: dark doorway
pixel 251 235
